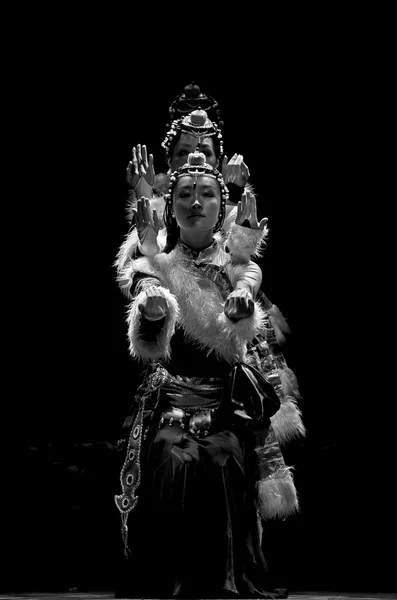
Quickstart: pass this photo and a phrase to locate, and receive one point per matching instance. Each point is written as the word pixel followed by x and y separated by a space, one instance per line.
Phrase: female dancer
pixel 200 452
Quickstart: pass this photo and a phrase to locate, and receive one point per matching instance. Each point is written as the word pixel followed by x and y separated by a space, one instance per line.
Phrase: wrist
pixel 143 188
pixel 241 285
pixel 149 247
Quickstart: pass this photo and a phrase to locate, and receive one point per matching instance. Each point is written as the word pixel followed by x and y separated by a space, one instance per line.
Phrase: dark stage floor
pixel 110 595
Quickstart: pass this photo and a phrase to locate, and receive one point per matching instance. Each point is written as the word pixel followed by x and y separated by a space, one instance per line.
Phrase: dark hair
pixel 171 225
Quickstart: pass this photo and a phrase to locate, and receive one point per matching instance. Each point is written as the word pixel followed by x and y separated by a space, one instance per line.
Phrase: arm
pixel 246 237
pixel 152 317
pixel 143 239
pixel 243 314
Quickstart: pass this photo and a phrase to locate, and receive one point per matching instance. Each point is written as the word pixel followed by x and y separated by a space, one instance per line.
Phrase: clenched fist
pixel 239 305
pixel 154 306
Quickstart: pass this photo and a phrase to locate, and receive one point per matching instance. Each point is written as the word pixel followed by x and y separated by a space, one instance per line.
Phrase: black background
pixel 295 112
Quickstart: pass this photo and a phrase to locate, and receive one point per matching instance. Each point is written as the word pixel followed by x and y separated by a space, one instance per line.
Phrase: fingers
pixel 236 169
pixel 155 305
pixel 144 155
pixel 263 223
pixel 252 207
pixel 224 167
pixel 151 163
pixel 233 168
pixel 242 210
pixel 239 218
pixel 156 221
pixel 128 174
pixel 245 171
pixel 140 167
pixel 150 174
pixel 138 153
pixel 239 305
pixel 135 160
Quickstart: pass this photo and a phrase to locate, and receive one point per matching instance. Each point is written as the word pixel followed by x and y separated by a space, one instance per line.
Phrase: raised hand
pixel 154 306
pixel 235 171
pixel 246 210
pixel 239 305
pixel 147 225
pixel 140 166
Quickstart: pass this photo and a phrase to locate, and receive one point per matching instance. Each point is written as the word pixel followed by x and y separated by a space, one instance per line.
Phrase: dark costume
pixel 202 459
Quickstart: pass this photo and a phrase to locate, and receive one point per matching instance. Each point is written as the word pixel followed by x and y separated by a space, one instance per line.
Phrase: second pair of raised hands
pixel 235 170
pixel 246 211
pixel 147 225
pixel 142 165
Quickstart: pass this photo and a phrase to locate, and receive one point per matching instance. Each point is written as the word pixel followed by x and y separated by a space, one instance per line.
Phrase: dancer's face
pixel 196 203
pixel 188 143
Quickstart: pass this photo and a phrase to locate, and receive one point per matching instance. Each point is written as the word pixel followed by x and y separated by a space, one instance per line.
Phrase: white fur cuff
pixel 244 243
pixel 287 423
pixel 277 496
pixel 245 329
pixel 160 347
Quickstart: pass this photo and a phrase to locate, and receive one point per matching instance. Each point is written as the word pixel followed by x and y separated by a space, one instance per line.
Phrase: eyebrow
pixel 187 146
pixel 202 185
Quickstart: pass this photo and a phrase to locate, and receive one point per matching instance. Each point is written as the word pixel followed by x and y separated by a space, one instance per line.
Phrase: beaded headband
pixel 195 167
pixel 196 124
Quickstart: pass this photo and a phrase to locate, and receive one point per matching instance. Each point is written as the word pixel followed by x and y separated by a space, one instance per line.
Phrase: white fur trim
pixel 277 495
pixel 161 347
pixel 244 243
pixel 286 422
pixel 201 308
pixel 289 382
pixel 125 254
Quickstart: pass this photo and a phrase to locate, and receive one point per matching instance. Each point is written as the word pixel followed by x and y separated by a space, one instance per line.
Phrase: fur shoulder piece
pixel 129 252
pixel 244 243
pixel 126 253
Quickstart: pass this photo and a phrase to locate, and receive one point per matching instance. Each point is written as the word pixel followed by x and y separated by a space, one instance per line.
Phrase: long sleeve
pixel 245 276
pixel 150 340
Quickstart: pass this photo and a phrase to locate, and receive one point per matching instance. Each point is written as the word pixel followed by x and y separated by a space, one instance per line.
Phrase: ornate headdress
pixel 195 167
pixel 196 124
pixel 191 99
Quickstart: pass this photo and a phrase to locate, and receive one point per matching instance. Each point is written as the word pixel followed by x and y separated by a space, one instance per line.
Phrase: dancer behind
pixel 195 130
pixel 194 480
pixel 184 135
